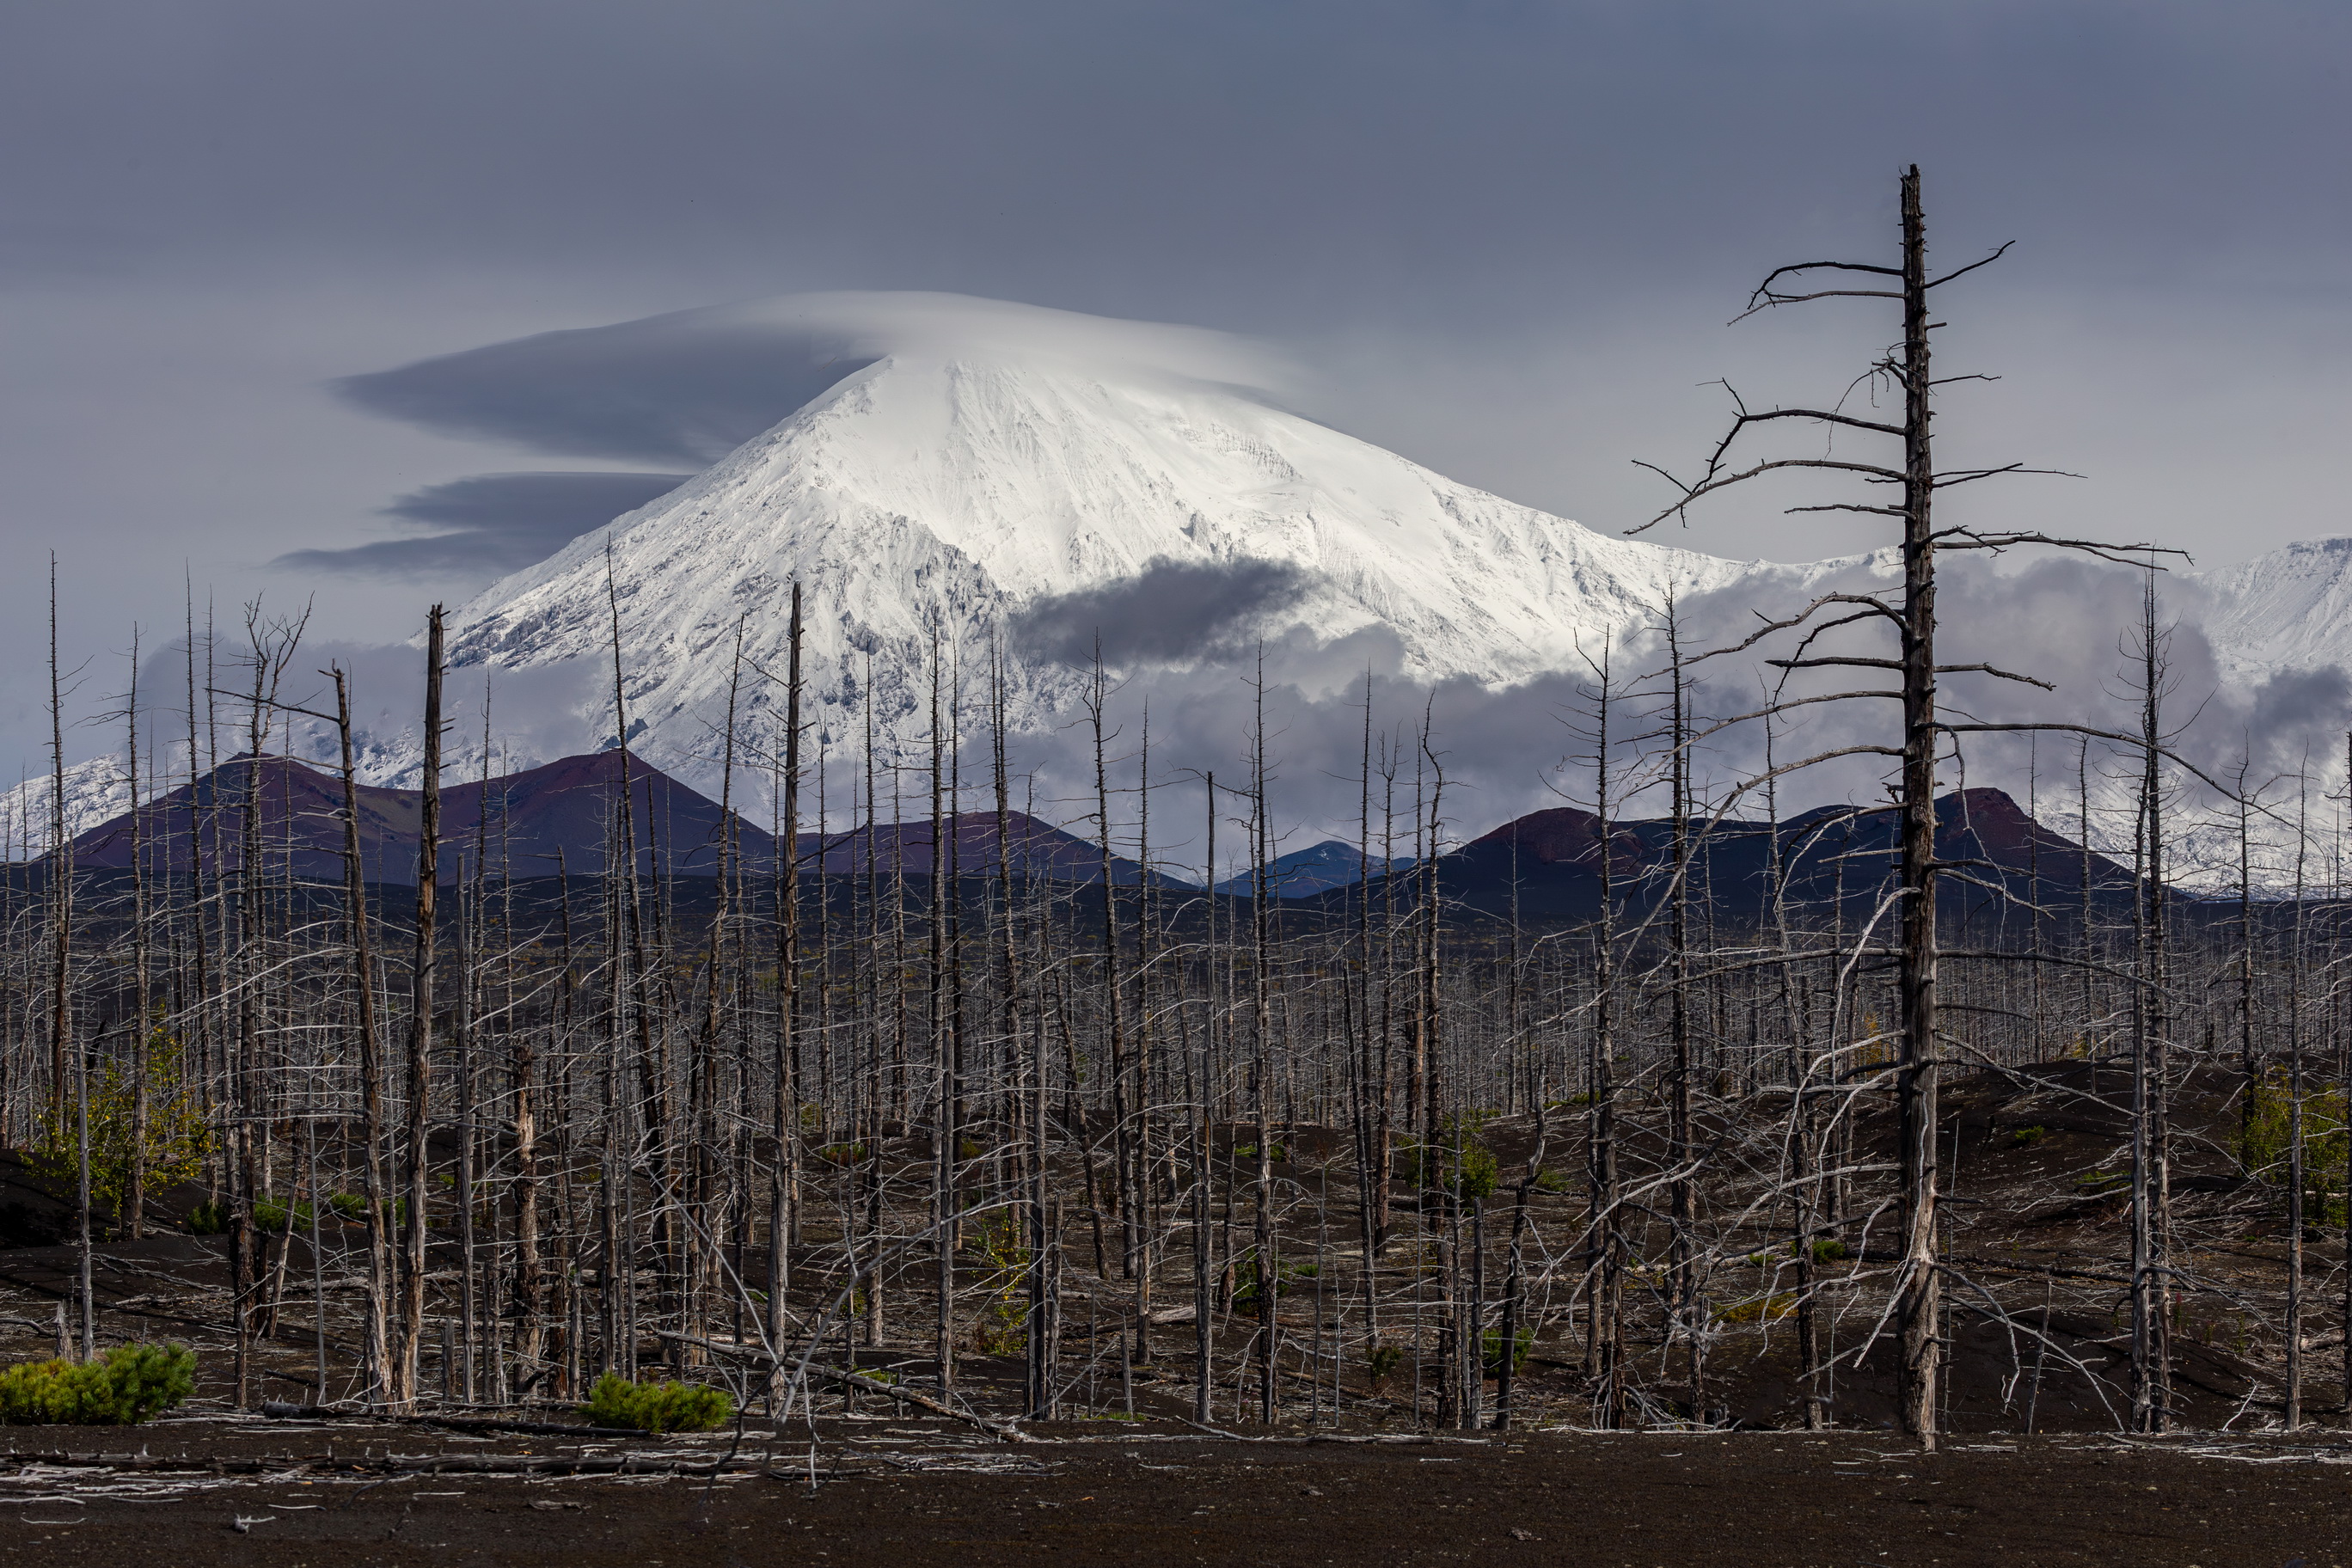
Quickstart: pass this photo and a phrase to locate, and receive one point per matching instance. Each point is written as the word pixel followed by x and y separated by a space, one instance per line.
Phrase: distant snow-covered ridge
pixel 97 789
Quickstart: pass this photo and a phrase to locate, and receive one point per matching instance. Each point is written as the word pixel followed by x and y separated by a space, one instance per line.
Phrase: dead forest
pixel 892 1116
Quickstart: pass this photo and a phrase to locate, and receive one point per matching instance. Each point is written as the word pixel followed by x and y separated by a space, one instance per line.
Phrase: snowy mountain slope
pixel 985 491
pixel 95 791
pixel 2288 610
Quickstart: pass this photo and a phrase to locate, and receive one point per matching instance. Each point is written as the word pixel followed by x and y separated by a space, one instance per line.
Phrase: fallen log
pixel 395 1464
pixel 1004 1431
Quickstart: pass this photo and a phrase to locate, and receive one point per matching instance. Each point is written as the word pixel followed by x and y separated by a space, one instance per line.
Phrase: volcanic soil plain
pixel 205 1489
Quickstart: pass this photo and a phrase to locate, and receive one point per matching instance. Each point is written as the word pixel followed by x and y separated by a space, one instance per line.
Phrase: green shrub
pixel 1490 1348
pixel 616 1401
pixel 1384 1359
pixel 2262 1147
pixel 1759 1309
pixel 127 1385
pixel 271 1214
pixel 1458 1160
pixel 1828 1249
pixel 1004 1326
pixel 1286 1274
pixel 2025 1136
pixel 160 1146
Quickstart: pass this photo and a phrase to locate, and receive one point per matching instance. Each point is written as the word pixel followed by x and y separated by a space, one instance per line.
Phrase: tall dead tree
pixel 2150 1153
pixel 1909 618
pixel 416 1157
pixel 788 967
pixel 376 1194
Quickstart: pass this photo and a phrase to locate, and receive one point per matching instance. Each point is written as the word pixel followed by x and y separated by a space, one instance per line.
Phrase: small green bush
pixel 1286 1274
pixel 1459 1161
pixel 2264 1147
pixel 2026 1136
pixel 1759 1309
pixel 1828 1249
pixel 1384 1361
pixel 1490 1345
pixel 126 1386
pixel 616 1401
pixel 271 1214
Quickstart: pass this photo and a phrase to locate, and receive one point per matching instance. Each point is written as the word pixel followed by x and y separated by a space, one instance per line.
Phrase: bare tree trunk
pixel 381 1382
pixel 2298 964
pixel 1604 1320
pixel 1270 1267
pixel 1680 1146
pixel 783 1113
pixel 134 1197
pixel 1920 1299
pixel 419 1156
pixel 2151 1295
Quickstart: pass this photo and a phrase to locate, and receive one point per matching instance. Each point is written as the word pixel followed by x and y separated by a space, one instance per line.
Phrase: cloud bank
pixel 493 523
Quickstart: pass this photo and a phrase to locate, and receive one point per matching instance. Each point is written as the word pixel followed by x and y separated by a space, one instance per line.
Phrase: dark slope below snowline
pixel 560 819
pixel 1834 862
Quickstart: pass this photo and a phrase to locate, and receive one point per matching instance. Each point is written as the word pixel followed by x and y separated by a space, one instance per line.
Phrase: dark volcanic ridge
pixel 568 818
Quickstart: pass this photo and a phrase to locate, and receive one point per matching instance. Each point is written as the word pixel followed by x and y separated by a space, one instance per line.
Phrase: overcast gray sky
pixel 1503 238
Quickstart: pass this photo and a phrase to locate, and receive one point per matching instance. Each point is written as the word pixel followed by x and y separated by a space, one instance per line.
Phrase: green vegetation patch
pixel 1459 1161
pixel 616 1401
pixel 125 1387
pixel 1490 1346
pixel 2266 1146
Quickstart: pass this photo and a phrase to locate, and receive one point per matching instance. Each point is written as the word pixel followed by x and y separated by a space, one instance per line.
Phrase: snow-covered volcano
pixel 1036 486
pixel 1036 503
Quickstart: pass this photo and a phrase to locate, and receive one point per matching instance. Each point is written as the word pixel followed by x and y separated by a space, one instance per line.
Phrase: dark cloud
pixel 688 387
pixel 497 523
pixel 2291 709
pixel 1169 611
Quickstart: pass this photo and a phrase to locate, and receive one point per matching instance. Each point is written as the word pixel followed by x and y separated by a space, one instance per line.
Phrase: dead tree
pixel 416 1157
pixel 1910 619
pixel 2151 1292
